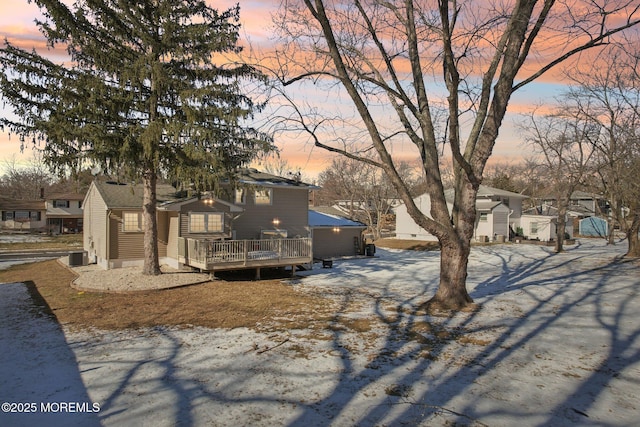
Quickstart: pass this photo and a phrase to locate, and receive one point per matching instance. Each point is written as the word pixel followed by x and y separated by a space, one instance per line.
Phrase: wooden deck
pixel 219 255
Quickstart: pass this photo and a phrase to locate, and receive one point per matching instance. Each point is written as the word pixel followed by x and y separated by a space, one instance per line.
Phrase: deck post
pixel 258 273
pixel 293 271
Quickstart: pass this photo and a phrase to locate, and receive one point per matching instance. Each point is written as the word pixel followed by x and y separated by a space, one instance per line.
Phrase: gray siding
pixel 289 206
pixel 330 244
pixel 200 206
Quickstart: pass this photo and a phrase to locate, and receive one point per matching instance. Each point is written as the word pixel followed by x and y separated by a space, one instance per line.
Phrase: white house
pixel 542 227
pixel 498 211
pixel 64 212
pixel 541 223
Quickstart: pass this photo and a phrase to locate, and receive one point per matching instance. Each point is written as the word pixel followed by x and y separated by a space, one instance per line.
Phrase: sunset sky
pixel 17 25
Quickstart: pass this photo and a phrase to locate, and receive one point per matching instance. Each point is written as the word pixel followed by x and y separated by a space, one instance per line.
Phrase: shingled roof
pixel 21 205
pixel 255 177
pixel 119 195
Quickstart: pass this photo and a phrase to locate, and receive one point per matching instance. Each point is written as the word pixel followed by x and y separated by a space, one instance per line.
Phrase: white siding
pixel 406 227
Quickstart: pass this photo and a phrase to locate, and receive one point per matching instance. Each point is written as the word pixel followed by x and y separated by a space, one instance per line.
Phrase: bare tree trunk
pixel 610 231
pixel 632 238
pixel 561 228
pixel 452 292
pixel 150 224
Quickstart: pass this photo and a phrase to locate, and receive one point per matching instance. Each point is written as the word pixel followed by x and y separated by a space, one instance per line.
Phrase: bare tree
pixel 363 191
pixel 422 61
pixel 609 97
pixel 25 182
pixel 565 146
pixel 278 166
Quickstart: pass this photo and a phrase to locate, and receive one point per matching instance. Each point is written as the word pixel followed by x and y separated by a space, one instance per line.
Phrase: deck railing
pixel 229 254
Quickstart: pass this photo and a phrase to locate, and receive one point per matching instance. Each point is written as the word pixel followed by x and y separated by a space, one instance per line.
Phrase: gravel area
pixel 94 278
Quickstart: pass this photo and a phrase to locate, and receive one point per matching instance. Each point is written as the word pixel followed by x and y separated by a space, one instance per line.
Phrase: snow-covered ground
pixel 557 342
pixel 22 238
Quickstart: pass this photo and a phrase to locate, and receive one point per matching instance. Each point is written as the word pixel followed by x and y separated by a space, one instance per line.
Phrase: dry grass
pixel 413 245
pixel 230 302
pixel 263 305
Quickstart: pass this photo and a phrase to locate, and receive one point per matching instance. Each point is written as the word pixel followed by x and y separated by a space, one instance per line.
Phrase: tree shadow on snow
pixel 39 375
pixel 421 370
pixel 557 288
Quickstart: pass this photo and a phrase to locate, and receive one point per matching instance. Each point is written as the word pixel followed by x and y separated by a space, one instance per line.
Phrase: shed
pixel 594 227
pixel 334 235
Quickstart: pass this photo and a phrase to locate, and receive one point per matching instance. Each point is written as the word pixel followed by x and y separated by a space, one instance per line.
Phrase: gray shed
pixel 333 235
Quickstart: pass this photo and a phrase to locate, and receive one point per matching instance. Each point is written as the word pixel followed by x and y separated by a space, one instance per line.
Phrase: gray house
pixel 261 221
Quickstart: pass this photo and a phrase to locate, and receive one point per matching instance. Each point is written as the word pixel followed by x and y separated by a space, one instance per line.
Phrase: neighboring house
pixel 592 204
pixel 58 213
pixel 498 212
pixel 64 213
pixel 22 215
pixel 541 222
pixel 334 235
pixel 353 207
pixel 267 225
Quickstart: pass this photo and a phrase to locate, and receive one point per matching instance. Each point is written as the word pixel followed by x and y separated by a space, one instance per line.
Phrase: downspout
pixel 108 238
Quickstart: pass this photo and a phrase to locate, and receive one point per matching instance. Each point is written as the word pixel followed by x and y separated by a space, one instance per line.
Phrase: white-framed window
pixel 206 222
pixel 484 216
pixel 60 203
pixel 132 222
pixel 240 197
pixel 262 196
pixel 533 228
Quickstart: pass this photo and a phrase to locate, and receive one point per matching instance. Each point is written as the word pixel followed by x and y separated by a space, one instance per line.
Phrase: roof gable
pixel 176 205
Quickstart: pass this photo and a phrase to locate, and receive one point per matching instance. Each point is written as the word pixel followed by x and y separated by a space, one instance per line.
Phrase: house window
pixel 263 196
pixel 7 216
pixel 132 221
pixel 35 216
pixel 60 203
pixel 240 196
pixel 483 217
pixel 202 222
pixel 21 215
pixel 533 228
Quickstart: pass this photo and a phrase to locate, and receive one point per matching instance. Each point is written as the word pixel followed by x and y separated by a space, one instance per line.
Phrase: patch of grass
pixel 414 245
pixel 260 305
pixel 398 390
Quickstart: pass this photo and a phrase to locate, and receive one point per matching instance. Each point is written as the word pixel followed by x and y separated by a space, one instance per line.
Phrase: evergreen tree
pixel 142 93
